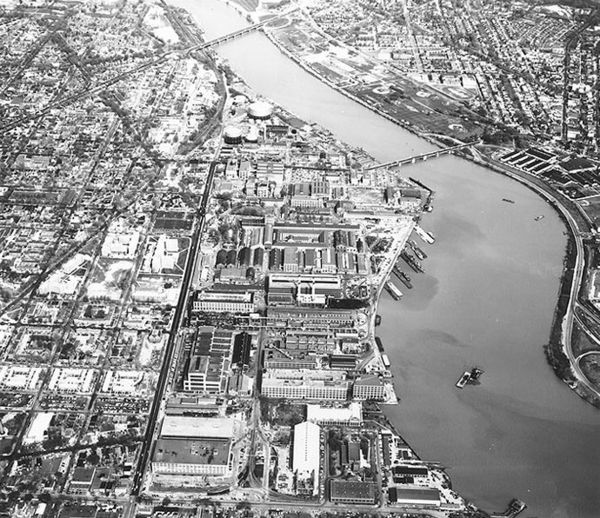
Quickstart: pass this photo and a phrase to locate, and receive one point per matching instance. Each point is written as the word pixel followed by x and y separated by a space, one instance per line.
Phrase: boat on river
pixel 507 200
pixel 469 377
pixel 462 381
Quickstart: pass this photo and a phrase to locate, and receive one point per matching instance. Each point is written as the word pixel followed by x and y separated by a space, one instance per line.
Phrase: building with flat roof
pixel 306 458
pixel 73 380
pixel 19 377
pixel 297 389
pixel 352 492
pixel 415 497
pixel 207 369
pixel 194 446
pixel 224 302
pixel 310 318
pixel 305 384
pixel 333 416
pixel 192 457
pixel 369 387
pixel 122 382
pixel 177 426
pixel 82 479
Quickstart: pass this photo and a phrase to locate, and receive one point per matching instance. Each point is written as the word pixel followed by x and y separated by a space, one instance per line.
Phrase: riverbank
pixel 560 204
pixel 464 311
pixel 307 68
pixel 555 348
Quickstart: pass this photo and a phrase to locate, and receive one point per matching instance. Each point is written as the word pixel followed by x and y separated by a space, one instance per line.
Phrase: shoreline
pixel 384 421
pixel 554 350
pixel 499 168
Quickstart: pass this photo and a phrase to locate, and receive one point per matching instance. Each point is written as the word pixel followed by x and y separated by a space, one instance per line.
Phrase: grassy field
pixel 590 365
pixel 581 343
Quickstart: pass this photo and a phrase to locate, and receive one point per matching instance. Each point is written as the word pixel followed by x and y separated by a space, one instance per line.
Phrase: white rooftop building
pixel 38 427
pixel 325 415
pixel 72 380
pixel 185 426
pixel 307 441
pixel 19 377
pixel 122 382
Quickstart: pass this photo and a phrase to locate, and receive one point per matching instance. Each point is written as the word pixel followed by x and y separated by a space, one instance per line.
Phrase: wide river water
pixel 487 298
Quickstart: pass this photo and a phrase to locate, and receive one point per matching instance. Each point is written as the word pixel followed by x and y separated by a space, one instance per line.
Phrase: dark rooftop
pixel 190 451
pixel 358 490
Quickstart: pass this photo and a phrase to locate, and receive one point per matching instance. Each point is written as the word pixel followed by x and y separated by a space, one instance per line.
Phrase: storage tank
pixel 232 135
pixel 260 110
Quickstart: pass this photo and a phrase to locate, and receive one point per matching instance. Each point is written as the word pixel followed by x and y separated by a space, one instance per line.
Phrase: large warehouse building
pixel 194 446
pixel 306 459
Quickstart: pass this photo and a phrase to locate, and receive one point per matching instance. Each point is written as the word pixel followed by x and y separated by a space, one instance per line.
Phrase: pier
pixel 422 157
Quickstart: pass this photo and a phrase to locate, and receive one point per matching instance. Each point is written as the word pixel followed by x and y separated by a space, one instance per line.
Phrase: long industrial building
pixel 305 384
pixel 306 452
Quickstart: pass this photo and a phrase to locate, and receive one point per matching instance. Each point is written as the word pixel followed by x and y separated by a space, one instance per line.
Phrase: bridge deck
pixel 422 156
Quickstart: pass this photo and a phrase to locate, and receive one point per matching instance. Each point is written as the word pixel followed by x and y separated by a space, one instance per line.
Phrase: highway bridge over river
pixel 423 156
pixel 239 33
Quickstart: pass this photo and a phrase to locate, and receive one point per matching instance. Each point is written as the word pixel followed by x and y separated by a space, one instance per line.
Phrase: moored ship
pixel 425 236
pixel 393 290
pixel 404 277
pixel 418 252
pixel 412 262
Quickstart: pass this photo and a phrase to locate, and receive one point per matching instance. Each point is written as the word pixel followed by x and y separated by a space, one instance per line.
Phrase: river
pixel 487 298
